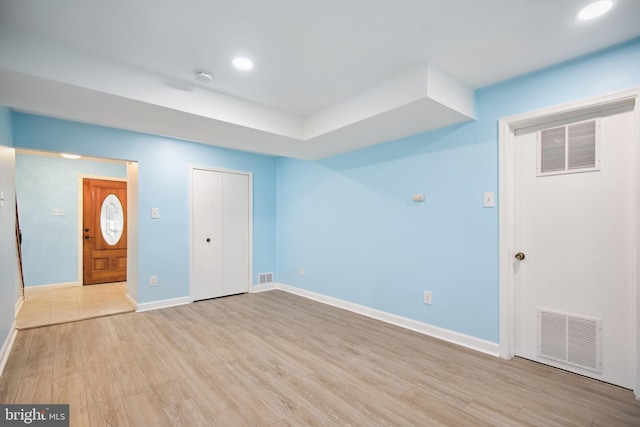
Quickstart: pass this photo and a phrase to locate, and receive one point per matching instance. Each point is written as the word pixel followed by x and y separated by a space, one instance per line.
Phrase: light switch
pixel 57 212
pixel 155 213
pixel 488 198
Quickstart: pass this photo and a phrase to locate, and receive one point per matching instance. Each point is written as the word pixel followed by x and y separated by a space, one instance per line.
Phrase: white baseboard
pixel 7 346
pixel 51 286
pixel 463 340
pixel 263 287
pixel 131 300
pixel 154 305
pixel 19 305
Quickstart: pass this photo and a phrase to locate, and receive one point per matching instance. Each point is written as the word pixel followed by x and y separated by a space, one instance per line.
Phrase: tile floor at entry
pixel 51 306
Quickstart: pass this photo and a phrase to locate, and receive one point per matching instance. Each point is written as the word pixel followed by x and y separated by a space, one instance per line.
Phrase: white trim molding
pixel 264 287
pixel 51 286
pixel 132 301
pixel 507 190
pixel 463 340
pixel 165 303
pixel 19 305
pixel 7 346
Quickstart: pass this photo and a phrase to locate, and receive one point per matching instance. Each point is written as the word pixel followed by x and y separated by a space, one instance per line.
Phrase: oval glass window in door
pixel 111 219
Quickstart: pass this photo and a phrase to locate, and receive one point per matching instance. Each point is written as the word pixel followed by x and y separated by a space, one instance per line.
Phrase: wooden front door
pixel 104 231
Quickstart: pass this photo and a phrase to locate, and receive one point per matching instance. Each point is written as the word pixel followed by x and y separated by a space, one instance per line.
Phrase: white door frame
pixel 191 238
pixel 507 225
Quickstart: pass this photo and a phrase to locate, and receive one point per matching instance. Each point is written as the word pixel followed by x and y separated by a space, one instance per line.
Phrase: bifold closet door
pixel 220 233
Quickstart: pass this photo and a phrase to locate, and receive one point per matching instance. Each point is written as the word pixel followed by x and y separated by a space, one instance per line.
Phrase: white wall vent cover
pixel 570 339
pixel 265 277
pixel 568 149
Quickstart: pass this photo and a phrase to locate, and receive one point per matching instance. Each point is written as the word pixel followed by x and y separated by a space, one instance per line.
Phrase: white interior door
pixel 220 234
pixel 574 292
pixel 235 233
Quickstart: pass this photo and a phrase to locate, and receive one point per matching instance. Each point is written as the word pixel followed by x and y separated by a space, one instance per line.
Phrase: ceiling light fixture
pixel 243 63
pixel 70 156
pixel 595 9
pixel 204 76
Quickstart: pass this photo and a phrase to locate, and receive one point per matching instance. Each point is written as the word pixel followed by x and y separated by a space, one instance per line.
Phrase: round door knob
pixel 87 237
pixel 208 239
pixel 520 256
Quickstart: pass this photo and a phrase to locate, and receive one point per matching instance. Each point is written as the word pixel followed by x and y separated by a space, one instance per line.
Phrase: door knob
pixel 87 237
pixel 520 256
pixel 208 239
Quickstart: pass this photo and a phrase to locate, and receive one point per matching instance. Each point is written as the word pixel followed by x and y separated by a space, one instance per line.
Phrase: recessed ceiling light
pixel 204 76
pixel 243 63
pixel 70 156
pixel 595 9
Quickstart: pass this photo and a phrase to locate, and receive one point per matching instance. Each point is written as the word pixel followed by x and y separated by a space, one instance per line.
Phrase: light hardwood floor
pixel 50 306
pixel 275 359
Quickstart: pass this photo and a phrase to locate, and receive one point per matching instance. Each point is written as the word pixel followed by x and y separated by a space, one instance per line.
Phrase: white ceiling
pixel 330 76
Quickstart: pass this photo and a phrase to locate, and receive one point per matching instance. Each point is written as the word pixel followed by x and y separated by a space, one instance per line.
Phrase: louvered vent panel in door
pixel 553 335
pixel 552 150
pixel 582 145
pixel 570 339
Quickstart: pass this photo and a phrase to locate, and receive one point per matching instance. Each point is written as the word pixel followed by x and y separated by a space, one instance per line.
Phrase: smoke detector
pixel 204 76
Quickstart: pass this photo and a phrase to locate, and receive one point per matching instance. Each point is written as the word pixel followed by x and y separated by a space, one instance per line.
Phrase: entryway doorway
pixel 50 188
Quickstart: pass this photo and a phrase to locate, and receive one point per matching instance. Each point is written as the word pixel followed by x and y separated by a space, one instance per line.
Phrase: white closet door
pixel 220 234
pixel 235 238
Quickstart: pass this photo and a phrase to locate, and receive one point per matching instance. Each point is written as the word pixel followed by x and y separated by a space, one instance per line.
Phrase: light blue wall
pixel 163 174
pixel 8 283
pixel 50 243
pixel 350 222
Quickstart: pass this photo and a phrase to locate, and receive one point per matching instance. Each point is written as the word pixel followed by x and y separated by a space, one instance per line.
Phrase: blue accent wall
pixel 163 182
pixel 9 285
pixel 351 223
pixel 50 243
pixel 349 220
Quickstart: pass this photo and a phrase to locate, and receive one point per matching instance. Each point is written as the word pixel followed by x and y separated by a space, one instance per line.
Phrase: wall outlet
pixel 427 297
pixel 302 271
pixel 153 280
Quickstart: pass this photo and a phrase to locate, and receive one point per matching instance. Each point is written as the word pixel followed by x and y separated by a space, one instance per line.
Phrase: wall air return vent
pixel 568 149
pixel 574 340
pixel 265 278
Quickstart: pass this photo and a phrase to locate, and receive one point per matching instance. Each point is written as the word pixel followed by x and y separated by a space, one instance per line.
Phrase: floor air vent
pixel 570 339
pixel 265 277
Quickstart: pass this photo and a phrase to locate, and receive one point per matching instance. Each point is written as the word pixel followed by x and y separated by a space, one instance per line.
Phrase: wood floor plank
pixel 105 404
pixel 276 359
pixel 41 352
pixel 186 414
pixel 70 389
pixel 67 358
pixel 145 410
pixel 14 368
pixel 35 389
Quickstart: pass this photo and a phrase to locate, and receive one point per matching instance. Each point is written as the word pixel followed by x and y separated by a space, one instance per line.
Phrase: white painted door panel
pixel 220 234
pixel 577 233
pixel 235 256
